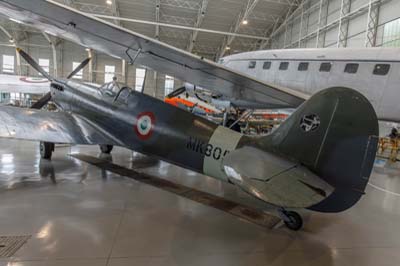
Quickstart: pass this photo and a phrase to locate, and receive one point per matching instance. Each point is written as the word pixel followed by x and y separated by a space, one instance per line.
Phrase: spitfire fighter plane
pixel 320 158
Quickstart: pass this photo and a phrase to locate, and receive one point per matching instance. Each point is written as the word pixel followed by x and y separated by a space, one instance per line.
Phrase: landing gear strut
pixel 46 150
pixel 292 219
pixel 106 148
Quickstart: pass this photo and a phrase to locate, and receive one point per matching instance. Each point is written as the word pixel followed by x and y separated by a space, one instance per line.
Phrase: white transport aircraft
pixel 22 84
pixel 375 72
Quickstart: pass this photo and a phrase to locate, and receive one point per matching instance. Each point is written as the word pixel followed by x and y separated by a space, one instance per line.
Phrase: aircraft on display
pixel 371 71
pixel 193 104
pixel 22 84
pixel 320 157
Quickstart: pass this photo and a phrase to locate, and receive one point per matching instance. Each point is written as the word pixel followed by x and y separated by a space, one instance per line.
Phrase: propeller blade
pixel 33 64
pixel 176 92
pixel 79 68
pixel 42 101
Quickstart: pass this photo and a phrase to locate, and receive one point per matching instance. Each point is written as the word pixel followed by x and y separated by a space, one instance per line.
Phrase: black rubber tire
pixel 106 148
pixel 46 150
pixel 296 222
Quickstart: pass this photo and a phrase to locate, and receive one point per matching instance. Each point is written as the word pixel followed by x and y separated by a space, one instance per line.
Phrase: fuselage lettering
pixel 206 149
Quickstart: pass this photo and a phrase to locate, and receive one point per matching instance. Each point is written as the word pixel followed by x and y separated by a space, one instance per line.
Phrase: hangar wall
pixel 340 23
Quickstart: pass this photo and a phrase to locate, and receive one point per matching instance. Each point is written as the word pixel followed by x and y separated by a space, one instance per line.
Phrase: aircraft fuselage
pixel 374 72
pixel 150 126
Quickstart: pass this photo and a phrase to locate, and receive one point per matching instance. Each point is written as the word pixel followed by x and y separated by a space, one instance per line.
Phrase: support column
pixel 372 23
pixel 343 23
pixel 54 50
pixel 301 26
pixel 322 21
pixel 285 37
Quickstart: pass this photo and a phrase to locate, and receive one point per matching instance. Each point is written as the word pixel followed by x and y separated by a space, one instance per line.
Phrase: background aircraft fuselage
pixel 303 72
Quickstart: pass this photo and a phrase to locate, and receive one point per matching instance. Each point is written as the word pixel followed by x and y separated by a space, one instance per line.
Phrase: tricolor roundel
pixel 145 125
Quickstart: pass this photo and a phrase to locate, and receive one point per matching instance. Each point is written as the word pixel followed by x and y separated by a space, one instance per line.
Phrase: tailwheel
pixel 292 220
pixel 106 148
pixel 46 150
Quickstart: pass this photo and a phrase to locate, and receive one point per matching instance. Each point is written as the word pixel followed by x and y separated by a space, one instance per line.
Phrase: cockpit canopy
pixel 116 91
pixel 112 88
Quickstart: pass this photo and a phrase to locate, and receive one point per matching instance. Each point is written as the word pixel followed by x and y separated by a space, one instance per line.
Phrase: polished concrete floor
pixel 78 214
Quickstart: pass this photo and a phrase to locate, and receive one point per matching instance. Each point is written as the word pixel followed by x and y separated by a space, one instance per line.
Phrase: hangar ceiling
pixel 221 23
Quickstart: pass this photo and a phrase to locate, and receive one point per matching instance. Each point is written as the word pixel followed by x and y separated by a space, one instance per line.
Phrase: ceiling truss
pixel 184 31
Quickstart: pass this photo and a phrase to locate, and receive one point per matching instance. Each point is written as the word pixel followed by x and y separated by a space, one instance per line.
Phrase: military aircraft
pixel 320 158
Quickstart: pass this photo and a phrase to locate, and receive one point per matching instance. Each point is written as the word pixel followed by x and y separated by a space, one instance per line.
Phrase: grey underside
pixel 56 127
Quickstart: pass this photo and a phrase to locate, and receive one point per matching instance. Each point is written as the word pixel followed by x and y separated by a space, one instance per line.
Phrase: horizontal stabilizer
pixel 274 179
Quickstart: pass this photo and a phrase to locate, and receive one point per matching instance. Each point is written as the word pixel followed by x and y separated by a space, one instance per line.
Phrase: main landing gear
pixel 106 148
pixel 292 219
pixel 46 150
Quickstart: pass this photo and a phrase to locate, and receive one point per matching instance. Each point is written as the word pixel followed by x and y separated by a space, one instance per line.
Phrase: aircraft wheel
pixel 46 150
pixel 294 221
pixel 106 148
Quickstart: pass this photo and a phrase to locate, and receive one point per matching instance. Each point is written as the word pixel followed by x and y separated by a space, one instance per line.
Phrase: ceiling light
pixel 109 2
pixel 245 22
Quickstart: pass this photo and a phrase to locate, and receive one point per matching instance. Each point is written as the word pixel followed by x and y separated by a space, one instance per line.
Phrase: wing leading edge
pixel 68 23
pixel 55 127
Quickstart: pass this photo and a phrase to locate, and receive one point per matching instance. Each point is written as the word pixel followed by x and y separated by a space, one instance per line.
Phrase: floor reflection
pixel 140 161
pixel 109 158
pixel 46 170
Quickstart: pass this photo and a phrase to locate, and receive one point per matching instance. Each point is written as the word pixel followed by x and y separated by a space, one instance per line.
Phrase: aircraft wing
pixel 68 23
pixel 55 127
pixel 20 84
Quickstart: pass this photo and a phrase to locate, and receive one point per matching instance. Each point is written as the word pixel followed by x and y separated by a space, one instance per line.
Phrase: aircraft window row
pixel 252 64
pixel 381 69
pixel 351 68
pixel 267 65
pixel 325 67
pixel 284 66
pixel 303 66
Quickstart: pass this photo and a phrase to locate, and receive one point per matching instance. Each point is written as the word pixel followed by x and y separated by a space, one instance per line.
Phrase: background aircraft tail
pixel 335 135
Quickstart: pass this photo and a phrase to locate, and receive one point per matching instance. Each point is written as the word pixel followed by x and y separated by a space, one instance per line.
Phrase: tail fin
pixel 335 135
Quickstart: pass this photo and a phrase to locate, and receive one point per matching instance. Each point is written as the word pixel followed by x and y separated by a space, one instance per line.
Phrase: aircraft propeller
pixel 176 92
pixel 79 68
pixel 47 97
pixel 33 64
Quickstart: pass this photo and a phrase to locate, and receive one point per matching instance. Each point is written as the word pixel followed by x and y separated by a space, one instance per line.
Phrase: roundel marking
pixel 310 123
pixel 33 80
pixel 145 125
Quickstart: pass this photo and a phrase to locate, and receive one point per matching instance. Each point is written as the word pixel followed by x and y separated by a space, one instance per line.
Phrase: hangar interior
pixel 274 24
pixel 76 211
